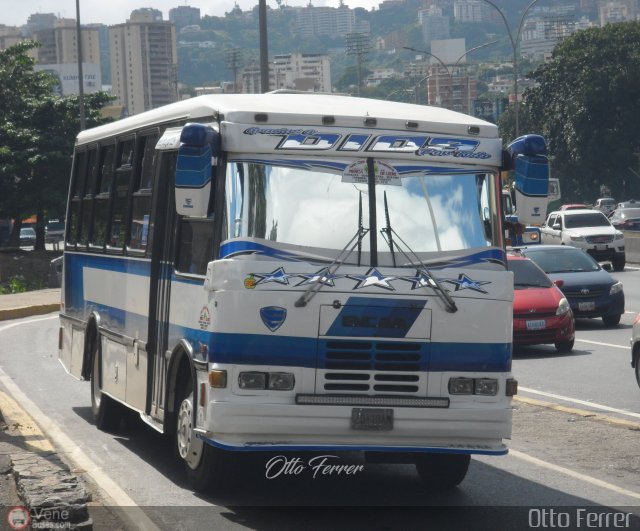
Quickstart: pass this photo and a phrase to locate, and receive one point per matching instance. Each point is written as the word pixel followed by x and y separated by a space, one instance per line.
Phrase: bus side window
pixel 195 247
pixel 141 230
pixel 104 179
pixel 77 192
pixel 122 179
pixel 87 200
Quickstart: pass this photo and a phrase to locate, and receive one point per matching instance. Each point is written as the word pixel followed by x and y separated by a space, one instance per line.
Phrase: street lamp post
pixel 514 47
pixel 449 72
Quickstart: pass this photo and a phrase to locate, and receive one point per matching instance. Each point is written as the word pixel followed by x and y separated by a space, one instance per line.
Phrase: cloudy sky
pixel 16 13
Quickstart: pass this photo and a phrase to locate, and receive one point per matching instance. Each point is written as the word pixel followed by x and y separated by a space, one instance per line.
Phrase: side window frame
pixel 144 173
pixel 76 193
pixel 120 193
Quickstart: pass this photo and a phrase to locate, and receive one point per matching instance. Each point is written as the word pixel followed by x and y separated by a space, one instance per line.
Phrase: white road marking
pixel 593 405
pixel 572 473
pixel 28 321
pixel 120 498
pixel 626 347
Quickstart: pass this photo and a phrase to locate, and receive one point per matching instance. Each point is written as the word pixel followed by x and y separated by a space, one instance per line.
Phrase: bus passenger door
pixel 160 286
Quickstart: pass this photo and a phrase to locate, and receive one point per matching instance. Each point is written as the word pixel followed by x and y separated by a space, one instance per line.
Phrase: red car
pixel 541 313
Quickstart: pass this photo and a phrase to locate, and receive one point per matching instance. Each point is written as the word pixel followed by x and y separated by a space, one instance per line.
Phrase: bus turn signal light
pixel 218 378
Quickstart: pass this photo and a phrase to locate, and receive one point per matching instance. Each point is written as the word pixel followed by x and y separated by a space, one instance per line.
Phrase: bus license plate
pixel 540 324
pixel 586 306
pixel 372 419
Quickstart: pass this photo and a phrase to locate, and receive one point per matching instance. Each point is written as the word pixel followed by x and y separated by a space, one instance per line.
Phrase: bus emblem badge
pixel 273 317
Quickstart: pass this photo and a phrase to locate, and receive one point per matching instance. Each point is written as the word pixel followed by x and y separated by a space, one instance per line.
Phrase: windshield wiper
pixel 318 282
pixel 433 283
pixel 387 230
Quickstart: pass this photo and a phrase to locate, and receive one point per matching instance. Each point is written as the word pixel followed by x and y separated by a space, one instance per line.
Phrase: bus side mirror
pixel 197 155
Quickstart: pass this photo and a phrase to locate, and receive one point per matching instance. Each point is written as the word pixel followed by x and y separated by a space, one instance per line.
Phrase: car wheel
pixel 564 346
pixel 637 365
pixel 442 470
pixel 618 264
pixel 611 320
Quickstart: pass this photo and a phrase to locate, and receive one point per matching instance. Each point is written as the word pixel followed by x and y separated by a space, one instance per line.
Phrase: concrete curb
pixel 53 495
pixel 28 311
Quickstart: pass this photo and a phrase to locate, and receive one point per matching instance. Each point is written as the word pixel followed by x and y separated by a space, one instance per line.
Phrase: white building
pixel 296 71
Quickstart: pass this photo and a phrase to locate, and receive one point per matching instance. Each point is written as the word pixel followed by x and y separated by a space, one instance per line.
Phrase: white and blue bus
pixel 296 272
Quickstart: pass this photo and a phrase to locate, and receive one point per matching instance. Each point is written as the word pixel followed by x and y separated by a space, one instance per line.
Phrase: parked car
pixel 27 236
pixel 54 232
pixel 635 347
pixel 605 204
pixel 588 229
pixel 591 291
pixel 573 206
pixel 626 218
pixel 541 313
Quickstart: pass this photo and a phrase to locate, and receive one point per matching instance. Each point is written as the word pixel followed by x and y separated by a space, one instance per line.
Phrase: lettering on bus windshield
pixel 421 145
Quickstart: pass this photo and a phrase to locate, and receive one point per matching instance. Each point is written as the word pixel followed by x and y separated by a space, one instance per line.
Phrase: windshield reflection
pixel 315 208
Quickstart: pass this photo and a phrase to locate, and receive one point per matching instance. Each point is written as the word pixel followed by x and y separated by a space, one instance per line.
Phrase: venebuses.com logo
pixel 18 517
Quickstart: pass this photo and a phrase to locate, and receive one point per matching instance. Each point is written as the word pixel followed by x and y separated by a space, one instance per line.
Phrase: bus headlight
pixel 461 386
pixel 486 386
pixel 281 381
pixel 252 380
pixel 275 381
pixel 471 386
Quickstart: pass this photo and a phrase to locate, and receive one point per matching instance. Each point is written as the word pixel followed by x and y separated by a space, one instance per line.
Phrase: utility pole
pixel 358 44
pixel 264 47
pixel 83 122
pixel 234 60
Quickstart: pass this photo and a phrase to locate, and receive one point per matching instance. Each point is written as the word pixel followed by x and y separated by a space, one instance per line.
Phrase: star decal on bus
pixel 420 280
pixel 321 277
pixel 373 277
pixel 464 282
pixel 278 276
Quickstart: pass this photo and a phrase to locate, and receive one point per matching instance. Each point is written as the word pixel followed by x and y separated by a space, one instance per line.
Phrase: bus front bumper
pixel 268 427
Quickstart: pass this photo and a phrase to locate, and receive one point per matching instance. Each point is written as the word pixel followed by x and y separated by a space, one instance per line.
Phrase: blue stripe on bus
pixel 255 349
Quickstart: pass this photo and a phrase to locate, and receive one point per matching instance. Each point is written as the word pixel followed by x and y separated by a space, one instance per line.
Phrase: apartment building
pixel 143 62
pixel 317 21
pixel 295 71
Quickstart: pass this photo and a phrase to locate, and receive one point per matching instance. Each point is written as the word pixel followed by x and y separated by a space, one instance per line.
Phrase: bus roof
pixel 304 109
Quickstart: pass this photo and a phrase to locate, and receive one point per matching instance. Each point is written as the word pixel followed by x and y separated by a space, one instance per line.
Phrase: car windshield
pixel 27 231
pixel 55 225
pixel 307 205
pixel 592 219
pixel 563 260
pixel 528 275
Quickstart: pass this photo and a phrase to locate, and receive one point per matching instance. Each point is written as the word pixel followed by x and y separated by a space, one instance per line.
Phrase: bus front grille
pixel 378 367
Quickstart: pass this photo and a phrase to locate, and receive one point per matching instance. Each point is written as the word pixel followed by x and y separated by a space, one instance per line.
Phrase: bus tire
pixel 201 461
pixel 442 470
pixel 107 413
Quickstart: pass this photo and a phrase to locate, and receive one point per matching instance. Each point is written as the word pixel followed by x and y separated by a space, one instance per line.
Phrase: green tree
pixel 587 103
pixel 37 133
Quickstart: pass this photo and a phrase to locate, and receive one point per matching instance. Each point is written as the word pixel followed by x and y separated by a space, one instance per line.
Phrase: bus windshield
pixel 316 208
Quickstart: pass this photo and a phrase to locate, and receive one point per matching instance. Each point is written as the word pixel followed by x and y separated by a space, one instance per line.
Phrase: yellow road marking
pixel 579 412
pixel 19 421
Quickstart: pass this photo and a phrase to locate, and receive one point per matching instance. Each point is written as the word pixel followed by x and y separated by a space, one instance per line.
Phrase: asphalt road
pixel 558 459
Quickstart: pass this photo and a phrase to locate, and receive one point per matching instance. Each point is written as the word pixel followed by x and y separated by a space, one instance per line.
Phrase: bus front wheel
pixel 442 470
pixel 106 411
pixel 201 460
